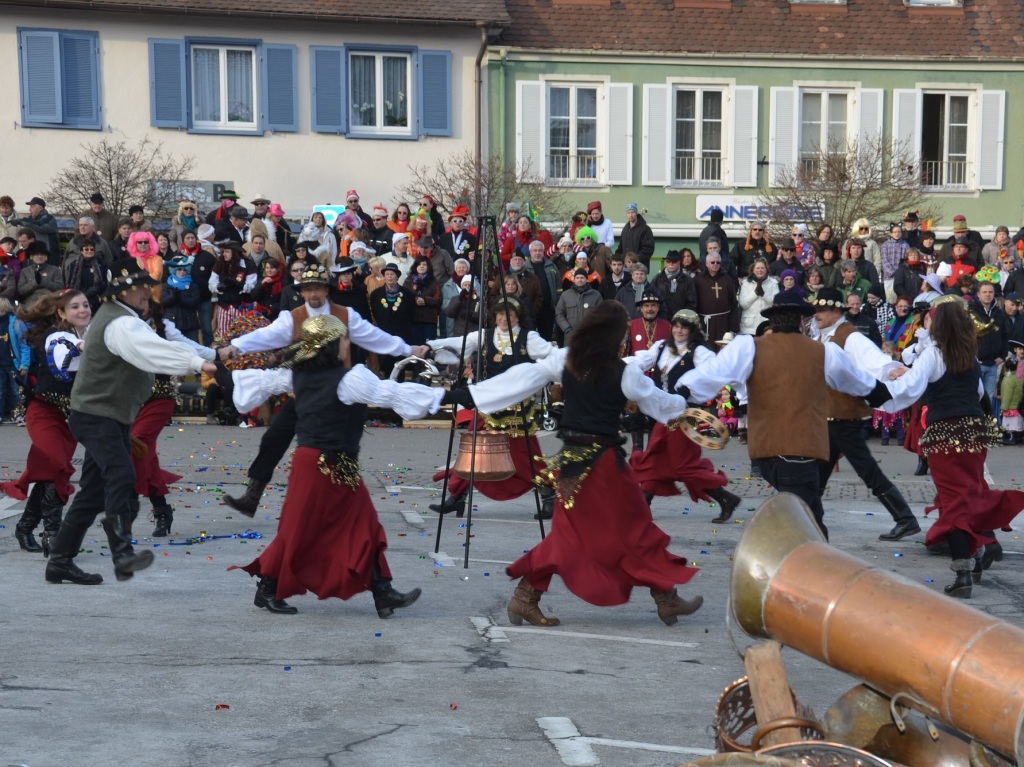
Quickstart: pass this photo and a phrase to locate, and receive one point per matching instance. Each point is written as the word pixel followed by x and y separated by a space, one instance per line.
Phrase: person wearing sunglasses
pixel 187 219
pixel 756 245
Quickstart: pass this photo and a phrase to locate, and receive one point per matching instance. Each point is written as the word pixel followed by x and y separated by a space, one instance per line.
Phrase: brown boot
pixel 525 604
pixel 671 605
pixel 248 503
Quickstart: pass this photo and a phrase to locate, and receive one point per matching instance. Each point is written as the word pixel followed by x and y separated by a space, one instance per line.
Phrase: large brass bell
pixel 493 457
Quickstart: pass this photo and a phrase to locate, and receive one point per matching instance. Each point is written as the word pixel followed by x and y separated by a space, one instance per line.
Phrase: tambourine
pixel 691 422
pixel 430 375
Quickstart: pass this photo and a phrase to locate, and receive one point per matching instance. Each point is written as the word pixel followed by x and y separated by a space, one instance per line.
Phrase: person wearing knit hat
pixel 602 226
pixel 962 233
pixel 636 236
pixel 575 303
pixel 786 435
pixel 847 414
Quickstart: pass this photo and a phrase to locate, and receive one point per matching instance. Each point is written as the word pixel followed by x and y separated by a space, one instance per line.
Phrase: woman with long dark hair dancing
pixel 671 456
pixel 956 439
pixel 603 540
pixel 57 326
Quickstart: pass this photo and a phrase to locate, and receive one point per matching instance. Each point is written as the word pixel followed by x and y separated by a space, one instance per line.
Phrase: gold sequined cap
pixel 315 334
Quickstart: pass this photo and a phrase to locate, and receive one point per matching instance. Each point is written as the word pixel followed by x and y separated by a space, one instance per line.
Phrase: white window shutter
pixel 530 128
pixel 744 136
pixel 906 131
pixel 619 135
pixel 657 144
pixel 784 137
pixel 870 106
pixel 991 136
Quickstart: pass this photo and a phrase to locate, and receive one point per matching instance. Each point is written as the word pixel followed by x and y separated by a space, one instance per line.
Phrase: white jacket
pixel 751 304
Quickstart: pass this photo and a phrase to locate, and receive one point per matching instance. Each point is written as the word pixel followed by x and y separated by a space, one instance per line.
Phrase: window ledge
pixel 224 132
pixel 382 136
pixel 553 183
pixel 697 185
pixel 59 126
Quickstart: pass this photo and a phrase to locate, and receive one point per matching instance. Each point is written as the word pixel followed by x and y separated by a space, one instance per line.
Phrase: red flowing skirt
pixel 673 457
pixel 150 479
pixel 606 544
pixel 965 501
pixel 516 486
pixel 915 429
pixel 329 537
pixel 49 457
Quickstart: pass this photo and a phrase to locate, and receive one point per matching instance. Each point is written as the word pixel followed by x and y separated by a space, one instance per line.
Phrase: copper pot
pixel 936 654
pixel 493 458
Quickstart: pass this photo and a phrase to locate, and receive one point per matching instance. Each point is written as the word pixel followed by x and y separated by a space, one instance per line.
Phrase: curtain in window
pixel 206 84
pixel 395 90
pixel 241 108
pixel 364 91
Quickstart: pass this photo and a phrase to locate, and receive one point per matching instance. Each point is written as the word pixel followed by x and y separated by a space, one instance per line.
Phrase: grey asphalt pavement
pixel 178 668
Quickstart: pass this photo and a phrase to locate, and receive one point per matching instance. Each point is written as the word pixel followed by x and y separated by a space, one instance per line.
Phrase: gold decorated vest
pixel 844 407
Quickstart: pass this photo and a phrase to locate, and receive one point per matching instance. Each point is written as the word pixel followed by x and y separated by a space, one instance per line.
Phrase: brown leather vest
pixel 301 314
pixel 844 407
pixel 786 398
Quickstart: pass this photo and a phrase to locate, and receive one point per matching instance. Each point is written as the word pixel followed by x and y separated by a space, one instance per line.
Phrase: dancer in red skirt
pixel 502 350
pixel 956 442
pixel 330 540
pixel 603 540
pixel 150 478
pixel 671 456
pixel 57 325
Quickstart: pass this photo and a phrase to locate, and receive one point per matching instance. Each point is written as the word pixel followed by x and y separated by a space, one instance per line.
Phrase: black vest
pixel 676 372
pixel 324 421
pixel 518 354
pixel 952 396
pixel 46 383
pixel 594 406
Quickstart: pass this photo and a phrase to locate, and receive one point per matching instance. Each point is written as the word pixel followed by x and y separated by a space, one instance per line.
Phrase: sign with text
pixel 747 208
pixel 205 193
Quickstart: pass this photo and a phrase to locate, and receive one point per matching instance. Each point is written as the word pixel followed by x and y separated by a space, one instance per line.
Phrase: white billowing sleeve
pixel 366 335
pixel 409 400
pixel 733 365
pixel 214 283
pixel 908 388
pixel 137 343
pixel 276 335
pixel 518 382
pixel 537 347
pixel 869 357
pixel 254 387
pixel 842 374
pixel 62 345
pixel 917 348
pixel 450 348
pixel 659 405
pixel 645 358
pixel 173 334
pixel 702 355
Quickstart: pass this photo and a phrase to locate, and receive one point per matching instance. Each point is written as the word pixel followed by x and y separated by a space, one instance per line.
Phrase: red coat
pixel 517 241
pixel 638 340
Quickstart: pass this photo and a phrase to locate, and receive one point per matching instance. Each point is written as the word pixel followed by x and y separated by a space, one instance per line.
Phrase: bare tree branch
pixel 125 175
pixel 845 182
pixel 485 187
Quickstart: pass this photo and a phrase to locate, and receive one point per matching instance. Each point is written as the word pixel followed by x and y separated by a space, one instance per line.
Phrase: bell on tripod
pixel 493 457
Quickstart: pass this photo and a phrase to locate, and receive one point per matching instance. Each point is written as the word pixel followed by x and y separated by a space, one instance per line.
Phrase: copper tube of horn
pixel 493 456
pixel 956 664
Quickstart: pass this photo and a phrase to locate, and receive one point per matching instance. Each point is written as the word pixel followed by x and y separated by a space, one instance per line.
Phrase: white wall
pixel 296 169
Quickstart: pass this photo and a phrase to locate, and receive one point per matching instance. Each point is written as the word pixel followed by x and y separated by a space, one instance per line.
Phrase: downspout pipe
pixel 478 139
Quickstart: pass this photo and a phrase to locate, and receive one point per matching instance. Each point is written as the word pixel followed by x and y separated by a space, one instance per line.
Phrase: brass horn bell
pixel 935 654
pixel 493 458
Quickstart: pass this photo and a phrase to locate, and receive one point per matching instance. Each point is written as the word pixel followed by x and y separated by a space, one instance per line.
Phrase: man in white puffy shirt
pixel 115 377
pixel 279 334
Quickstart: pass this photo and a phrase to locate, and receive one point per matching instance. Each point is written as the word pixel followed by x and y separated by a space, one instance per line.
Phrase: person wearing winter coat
pixel 180 297
pixel 575 303
pixel 42 222
pixel 756 294
pixel 38 275
pixel 675 286
pixel 636 236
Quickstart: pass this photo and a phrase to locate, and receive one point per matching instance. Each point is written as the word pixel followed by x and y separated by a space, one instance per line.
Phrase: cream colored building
pixel 300 102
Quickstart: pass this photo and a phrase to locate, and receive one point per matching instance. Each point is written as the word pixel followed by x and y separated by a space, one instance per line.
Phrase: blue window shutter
pixel 280 88
pixel 80 67
pixel 327 101
pixel 435 94
pixel 41 97
pixel 167 91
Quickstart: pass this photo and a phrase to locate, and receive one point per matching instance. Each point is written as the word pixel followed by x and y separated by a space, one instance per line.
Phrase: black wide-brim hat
pixel 788 301
pixel 124 275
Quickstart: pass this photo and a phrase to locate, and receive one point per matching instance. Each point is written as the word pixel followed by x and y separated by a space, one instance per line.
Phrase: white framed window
pixel 953 137
pixel 698 137
pixel 572 134
pixel 224 92
pixel 824 125
pixel 379 92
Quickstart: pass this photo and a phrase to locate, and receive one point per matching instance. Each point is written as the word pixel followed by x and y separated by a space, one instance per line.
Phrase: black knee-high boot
pixel 385 598
pixel 63 550
pixel 119 537
pixel 30 517
pixel 52 510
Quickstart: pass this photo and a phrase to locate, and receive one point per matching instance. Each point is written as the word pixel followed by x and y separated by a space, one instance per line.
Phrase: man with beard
pixel 636 236
pixel 756 245
pixel 847 414
pixel 645 331
pixel 676 288
pixel 717 302
pixel 601 225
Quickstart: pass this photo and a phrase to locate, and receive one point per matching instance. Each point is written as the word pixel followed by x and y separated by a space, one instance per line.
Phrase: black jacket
pixel 712 231
pixel 995 342
pixel 678 291
pixel 637 239
pixel 865 325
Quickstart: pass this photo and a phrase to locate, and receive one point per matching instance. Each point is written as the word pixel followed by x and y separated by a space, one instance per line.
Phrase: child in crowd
pixel 891 423
pixel 1011 393
pixel 9 395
